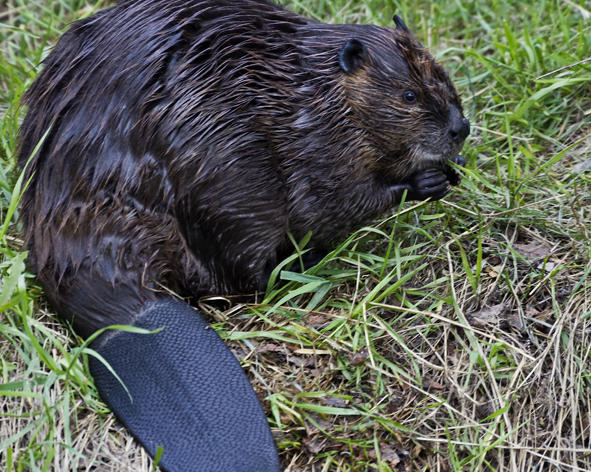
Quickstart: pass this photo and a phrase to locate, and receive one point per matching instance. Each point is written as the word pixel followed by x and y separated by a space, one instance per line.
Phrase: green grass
pixel 450 336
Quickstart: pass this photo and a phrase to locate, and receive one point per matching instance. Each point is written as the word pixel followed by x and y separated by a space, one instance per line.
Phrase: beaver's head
pixel 402 99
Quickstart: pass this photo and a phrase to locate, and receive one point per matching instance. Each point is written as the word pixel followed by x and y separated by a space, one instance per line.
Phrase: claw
pixel 459 160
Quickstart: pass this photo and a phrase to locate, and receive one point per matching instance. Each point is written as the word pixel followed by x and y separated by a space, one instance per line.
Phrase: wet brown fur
pixel 188 137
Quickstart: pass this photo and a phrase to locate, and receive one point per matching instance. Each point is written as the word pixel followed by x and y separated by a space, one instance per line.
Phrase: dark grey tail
pixel 189 394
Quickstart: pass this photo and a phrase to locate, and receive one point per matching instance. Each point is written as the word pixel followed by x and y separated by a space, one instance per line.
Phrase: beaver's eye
pixel 410 97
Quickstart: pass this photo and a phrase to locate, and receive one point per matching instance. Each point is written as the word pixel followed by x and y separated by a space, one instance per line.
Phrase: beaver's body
pixel 188 138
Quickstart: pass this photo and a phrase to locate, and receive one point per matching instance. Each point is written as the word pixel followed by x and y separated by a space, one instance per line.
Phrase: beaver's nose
pixel 459 126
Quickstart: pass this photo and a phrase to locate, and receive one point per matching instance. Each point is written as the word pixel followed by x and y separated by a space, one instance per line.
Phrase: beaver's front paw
pixel 427 183
pixel 453 176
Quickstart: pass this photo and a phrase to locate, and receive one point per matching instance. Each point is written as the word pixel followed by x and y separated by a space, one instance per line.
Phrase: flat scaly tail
pixel 186 392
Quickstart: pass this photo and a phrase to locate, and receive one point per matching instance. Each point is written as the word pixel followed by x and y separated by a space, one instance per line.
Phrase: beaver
pixel 180 144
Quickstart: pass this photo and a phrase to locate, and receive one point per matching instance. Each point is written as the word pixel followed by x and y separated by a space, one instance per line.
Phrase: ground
pixel 448 336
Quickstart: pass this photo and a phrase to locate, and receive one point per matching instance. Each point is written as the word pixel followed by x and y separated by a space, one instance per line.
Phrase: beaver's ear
pixel 352 55
pixel 399 23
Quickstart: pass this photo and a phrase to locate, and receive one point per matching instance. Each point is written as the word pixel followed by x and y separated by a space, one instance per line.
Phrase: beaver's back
pixel 115 78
